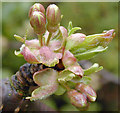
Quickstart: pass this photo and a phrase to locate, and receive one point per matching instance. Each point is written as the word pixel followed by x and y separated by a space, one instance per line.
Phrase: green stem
pixel 48 39
pixel 40 40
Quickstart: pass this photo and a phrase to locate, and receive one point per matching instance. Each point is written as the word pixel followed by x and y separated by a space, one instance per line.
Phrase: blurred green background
pixel 92 17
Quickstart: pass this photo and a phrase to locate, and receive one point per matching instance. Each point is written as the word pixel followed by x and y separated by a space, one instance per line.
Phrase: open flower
pixel 33 53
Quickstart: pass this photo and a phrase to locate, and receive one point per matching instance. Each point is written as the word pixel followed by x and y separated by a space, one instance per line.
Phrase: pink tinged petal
pixel 48 57
pixel 64 31
pixel 109 34
pixel 47 80
pixel 33 43
pixel 28 55
pixel 45 77
pixel 76 69
pixel 74 40
pixel 54 45
pixel 68 59
pixel 43 92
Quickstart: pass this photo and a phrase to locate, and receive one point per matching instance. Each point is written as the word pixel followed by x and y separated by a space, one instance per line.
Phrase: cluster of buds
pixel 80 96
pixel 59 49
pixel 38 18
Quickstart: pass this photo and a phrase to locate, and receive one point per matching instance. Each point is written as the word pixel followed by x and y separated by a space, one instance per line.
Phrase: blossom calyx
pixel 38 22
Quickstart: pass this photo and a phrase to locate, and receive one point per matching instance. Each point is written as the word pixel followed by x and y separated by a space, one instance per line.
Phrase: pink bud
pixel 87 90
pixel 38 21
pixel 77 99
pixel 37 7
pixel 53 15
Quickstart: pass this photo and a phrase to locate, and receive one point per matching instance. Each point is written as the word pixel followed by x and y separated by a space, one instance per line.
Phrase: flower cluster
pixel 61 47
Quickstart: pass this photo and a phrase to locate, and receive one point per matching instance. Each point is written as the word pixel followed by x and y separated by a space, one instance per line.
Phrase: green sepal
pixel 90 53
pixel 60 91
pixel 19 38
pixel 65 76
pixel 73 30
pixel 94 68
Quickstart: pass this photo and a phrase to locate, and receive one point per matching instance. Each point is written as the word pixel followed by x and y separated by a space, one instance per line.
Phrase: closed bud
pixel 37 7
pixel 77 99
pixel 53 15
pixel 38 21
pixel 75 40
pixel 87 90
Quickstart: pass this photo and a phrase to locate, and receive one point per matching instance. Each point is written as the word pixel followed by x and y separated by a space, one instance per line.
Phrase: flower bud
pixel 87 90
pixel 38 21
pixel 77 99
pixel 53 15
pixel 37 7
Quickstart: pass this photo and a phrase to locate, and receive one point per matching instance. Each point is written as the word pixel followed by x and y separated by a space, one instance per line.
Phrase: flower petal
pixel 48 57
pixel 28 55
pixel 45 77
pixel 76 69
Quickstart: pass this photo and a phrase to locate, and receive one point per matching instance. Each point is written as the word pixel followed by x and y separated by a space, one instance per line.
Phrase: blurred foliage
pixel 92 17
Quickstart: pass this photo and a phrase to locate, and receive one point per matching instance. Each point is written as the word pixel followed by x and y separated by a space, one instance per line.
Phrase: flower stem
pixel 48 39
pixel 40 40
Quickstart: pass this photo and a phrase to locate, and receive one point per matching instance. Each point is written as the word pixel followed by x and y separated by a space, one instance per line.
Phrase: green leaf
pixel 90 53
pixel 94 68
pixel 65 76
pixel 20 39
pixel 60 91
pixel 18 53
pixel 73 30
pixel 69 26
pixel 43 92
pixel 84 79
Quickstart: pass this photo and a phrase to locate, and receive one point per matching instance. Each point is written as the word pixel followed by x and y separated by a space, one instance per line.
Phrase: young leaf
pixel 94 68
pixel 69 26
pixel 73 30
pixel 74 40
pixel 65 76
pixel 20 39
pixel 84 79
pixel 90 53
pixel 43 92
pixel 45 77
pixel 60 91
pixel 18 53
pixel 47 80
